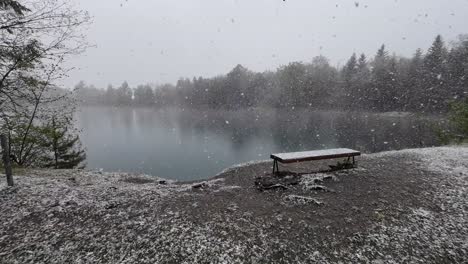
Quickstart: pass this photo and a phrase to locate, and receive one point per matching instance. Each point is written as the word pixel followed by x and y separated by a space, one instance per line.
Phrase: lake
pixel 189 145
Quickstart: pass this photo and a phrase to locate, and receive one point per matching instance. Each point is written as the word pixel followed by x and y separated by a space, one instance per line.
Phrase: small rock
pixel 276 186
pixel 71 203
pixel 317 187
pixel 199 185
pixel 111 206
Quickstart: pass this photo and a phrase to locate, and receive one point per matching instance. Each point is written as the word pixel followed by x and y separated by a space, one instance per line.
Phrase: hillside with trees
pixel 427 82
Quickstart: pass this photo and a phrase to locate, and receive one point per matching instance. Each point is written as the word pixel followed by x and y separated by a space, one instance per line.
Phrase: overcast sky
pixel 157 41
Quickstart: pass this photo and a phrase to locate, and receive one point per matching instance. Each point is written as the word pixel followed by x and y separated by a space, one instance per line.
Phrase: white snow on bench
pixel 316 154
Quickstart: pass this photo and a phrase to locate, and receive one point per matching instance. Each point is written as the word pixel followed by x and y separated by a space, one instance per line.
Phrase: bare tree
pixel 36 37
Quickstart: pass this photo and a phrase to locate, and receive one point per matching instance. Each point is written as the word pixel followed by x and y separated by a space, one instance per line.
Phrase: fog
pixel 148 41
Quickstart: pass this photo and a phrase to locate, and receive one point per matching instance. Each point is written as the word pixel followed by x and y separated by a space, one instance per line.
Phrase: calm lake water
pixel 188 145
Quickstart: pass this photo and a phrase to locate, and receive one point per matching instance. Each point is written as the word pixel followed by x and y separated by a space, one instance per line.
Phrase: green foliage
pixel 458 124
pixel 64 148
pixel 435 78
pixel 50 143
pixel 23 139
pixel 459 119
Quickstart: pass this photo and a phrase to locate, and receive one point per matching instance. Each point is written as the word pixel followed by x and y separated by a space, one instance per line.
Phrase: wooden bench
pixel 293 157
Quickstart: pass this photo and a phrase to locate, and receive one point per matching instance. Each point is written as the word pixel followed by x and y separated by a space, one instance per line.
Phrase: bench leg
pixel 354 161
pixel 348 161
pixel 275 166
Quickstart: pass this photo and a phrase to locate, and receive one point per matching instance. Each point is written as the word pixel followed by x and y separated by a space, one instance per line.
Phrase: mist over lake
pixel 195 144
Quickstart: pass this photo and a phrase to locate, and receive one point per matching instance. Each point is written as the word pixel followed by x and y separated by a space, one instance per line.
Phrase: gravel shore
pixel 406 206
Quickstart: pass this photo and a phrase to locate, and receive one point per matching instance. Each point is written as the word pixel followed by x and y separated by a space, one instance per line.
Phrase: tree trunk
pixel 55 143
pixel 6 160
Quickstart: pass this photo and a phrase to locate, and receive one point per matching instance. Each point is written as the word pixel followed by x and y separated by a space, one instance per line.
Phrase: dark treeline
pixel 427 82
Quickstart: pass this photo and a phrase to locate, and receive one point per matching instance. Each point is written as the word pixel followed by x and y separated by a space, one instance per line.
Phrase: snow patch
pixel 314 181
pixel 301 200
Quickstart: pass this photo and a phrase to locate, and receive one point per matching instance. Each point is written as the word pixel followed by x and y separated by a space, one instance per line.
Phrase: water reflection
pixel 186 145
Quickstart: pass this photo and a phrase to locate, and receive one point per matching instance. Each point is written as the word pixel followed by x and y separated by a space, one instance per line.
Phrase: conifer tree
pixel 413 82
pixel 362 63
pixel 349 75
pixel 362 83
pixel 63 145
pixel 458 69
pixel 435 77
pixel 380 78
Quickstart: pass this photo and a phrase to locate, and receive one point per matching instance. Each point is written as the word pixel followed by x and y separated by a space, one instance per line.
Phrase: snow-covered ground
pixel 405 206
pixel 443 231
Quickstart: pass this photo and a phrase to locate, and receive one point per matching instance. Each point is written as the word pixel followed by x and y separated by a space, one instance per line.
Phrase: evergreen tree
pixel 350 85
pixel 458 69
pixel 362 63
pixel 362 83
pixel 380 80
pixel 63 144
pixel 382 54
pixel 351 66
pixel 392 93
pixel 435 77
pixel 413 82
pixel 459 119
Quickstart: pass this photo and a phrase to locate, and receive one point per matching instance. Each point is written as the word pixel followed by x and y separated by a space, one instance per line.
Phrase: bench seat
pixel 313 155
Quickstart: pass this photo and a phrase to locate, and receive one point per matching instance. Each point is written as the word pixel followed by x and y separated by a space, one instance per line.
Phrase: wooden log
pixel 6 160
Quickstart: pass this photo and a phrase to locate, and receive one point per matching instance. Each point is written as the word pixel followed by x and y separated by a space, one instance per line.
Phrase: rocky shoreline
pixel 403 206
